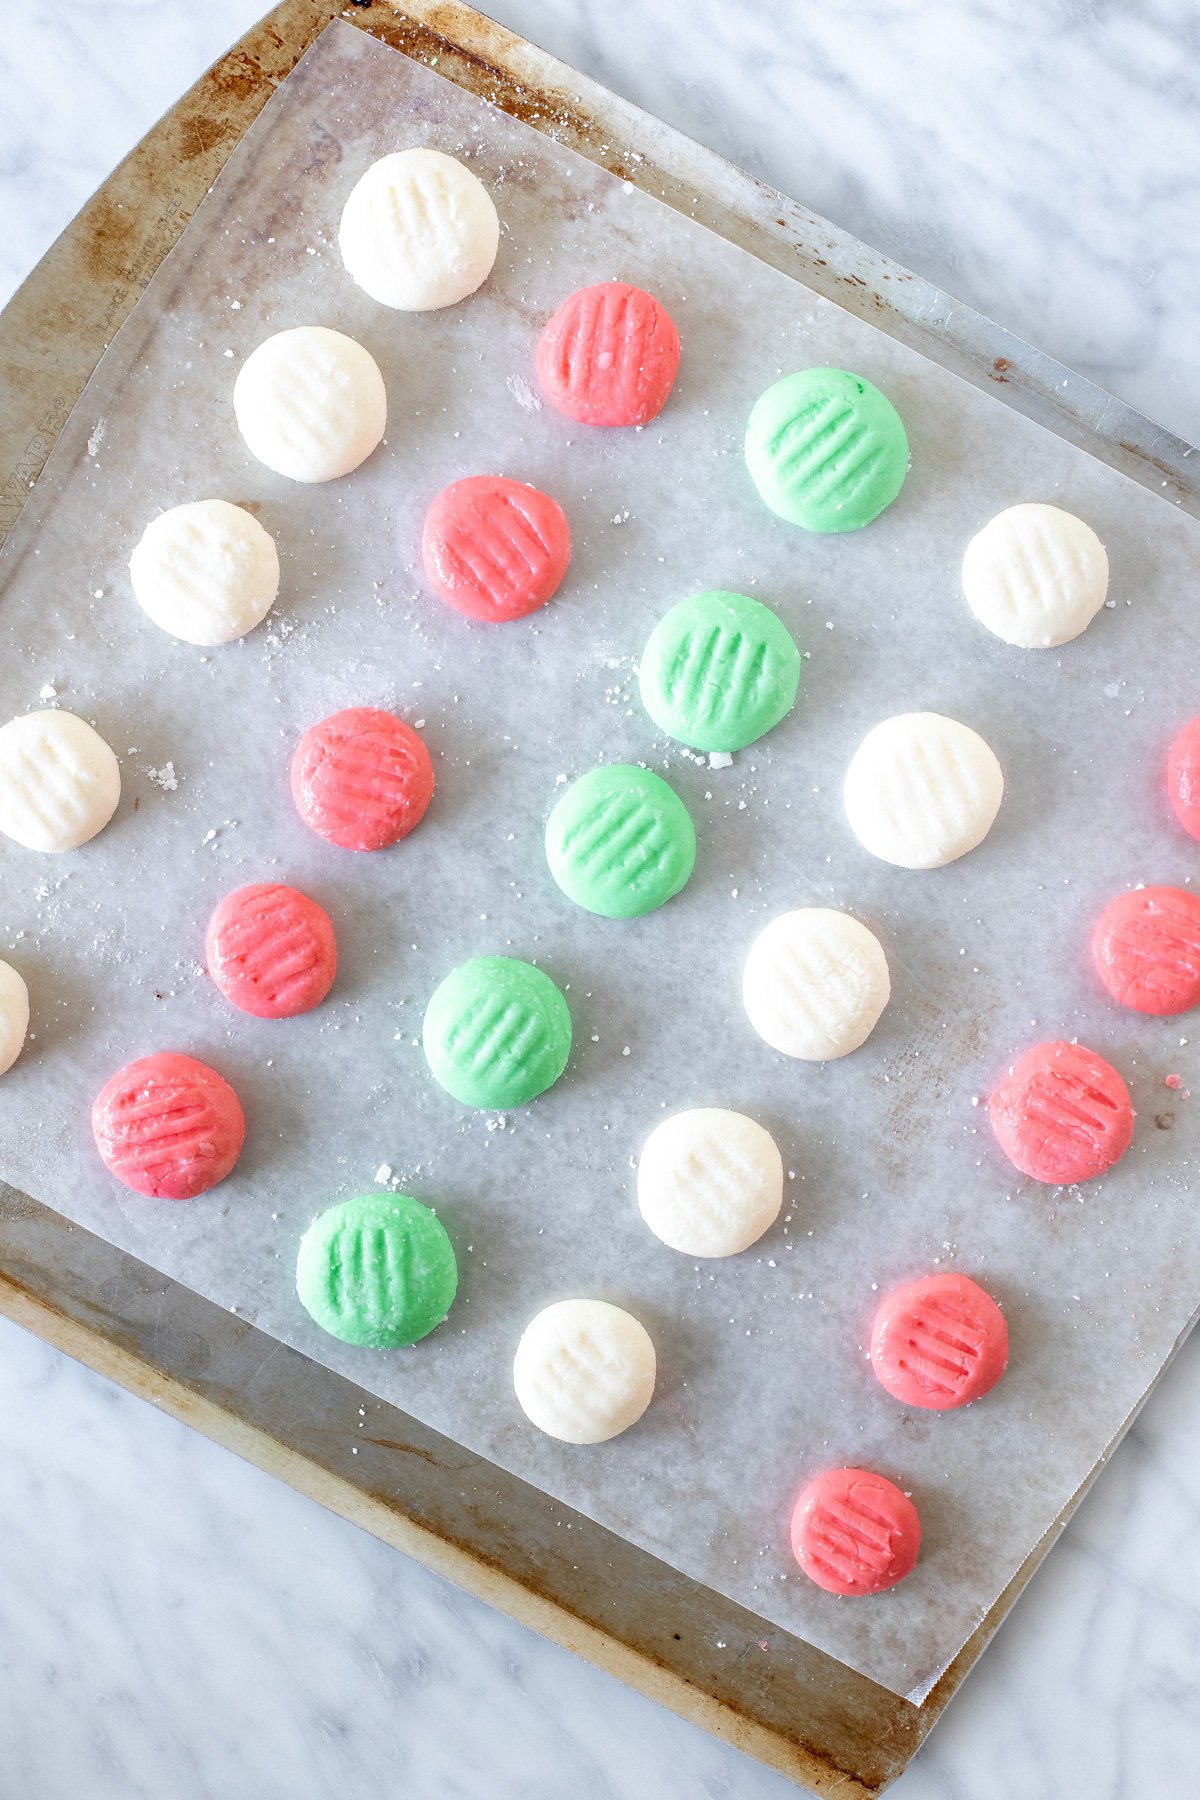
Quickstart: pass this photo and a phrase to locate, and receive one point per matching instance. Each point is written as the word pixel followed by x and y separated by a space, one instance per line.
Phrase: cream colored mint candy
pixel 59 781
pixel 710 1181
pixel 1036 576
pixel 206 572
pixel 419 231
pixel 584 1371
pixel 14 1015
pixel 310 403
pixel 815 983
pixel 922 790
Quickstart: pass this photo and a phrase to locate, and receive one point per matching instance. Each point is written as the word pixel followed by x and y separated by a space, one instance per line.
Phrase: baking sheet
pixel 763 1378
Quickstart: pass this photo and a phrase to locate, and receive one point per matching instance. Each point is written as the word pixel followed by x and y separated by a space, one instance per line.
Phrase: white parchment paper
pixel 763 1376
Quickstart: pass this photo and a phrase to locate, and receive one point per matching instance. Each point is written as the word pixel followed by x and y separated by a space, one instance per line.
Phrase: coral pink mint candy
pixel 495 549
pixel 361 778
pixel 609 356
pixel 271 951
pixel 168 1126
pixel 939 1342
pixel 1183 777
pixel 1063 1114
pixel 1146 947
pixel 854 1532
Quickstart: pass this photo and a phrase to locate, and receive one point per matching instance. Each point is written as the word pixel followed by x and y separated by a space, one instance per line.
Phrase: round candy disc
pixel 495 549
pixel 1183 777
pixel 826 450
pixel 854 1532
pixel 271 951
pixel 361 778
pixel 584 1371
pixel 710 1181
pixel 378 1270
pixel 419 230
pixel 497 1033
pixel 59 781
pixel 1036 576
pixel 718 671
pixel 310 403
pixel 168 1126
pixel 620 841
pixel 14 1015
pixel 815 983
pixel 609 356
pixel 206 572
pixel 922 790
pixel 1062 1114
pixel 939 1342
pixel 1146 947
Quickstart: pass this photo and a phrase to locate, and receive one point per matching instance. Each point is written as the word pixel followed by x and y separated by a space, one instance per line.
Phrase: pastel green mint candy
pixel 620 842
pixel 718 670
pixel 378 1270
pixel 497 1032
pixel 826 450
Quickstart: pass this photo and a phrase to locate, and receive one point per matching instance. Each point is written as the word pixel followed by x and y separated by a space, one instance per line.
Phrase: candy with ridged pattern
pixel 497 1032
pixel 271 950
pixel 620 841
pixel 495 549
pixel 1062 1113
pixel 168 1126
pixel 378 1270
pixel 362 778
pixel 938 1342
pixel 1146 947
pixel 855 1532
pixel 826 450
pixel 815 983
pixel 718 671
pixel 922 790
pixel 609 356
pixel 59 781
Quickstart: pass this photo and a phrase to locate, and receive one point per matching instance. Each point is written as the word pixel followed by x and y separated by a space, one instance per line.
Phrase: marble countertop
pixel 175 1624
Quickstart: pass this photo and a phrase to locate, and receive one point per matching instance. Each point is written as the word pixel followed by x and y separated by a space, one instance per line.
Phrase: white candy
pixel 584 1371
pixel 59 781
pixel 14 1015
pixel 419 231
pixel 921 790
pixel 1036 576
pixel 206 572
pixel 815 983
pixel 310 403
pixel 710 1182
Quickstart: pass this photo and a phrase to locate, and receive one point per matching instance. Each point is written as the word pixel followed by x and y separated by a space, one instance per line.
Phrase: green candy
pixel 620 842
pixel 826 450
pixel 497 1033
pixel 378 1270
pixel 719 670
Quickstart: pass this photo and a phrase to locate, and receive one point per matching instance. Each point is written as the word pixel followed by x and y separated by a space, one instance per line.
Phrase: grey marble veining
pixel 174 1624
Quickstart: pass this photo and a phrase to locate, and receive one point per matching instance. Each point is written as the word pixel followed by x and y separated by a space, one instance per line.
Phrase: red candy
pixel 609 356
pixel 495 549
pixel 1063 1114
pixel 939 1342
pixel 854 1532
pixel 361 778
pixel 168 1126
pixel 271 951
pixel 1183 777
pixel 1146 947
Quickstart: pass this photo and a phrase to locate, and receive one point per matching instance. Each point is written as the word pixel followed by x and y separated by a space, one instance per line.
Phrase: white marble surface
pixel 174 1624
